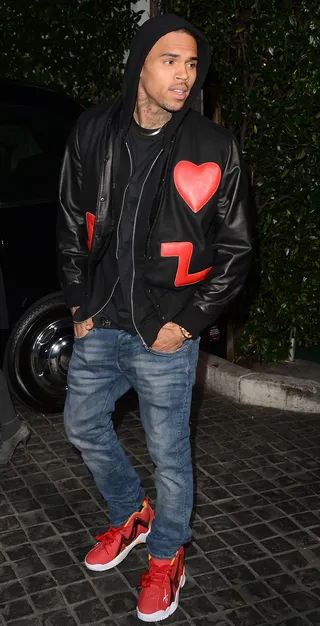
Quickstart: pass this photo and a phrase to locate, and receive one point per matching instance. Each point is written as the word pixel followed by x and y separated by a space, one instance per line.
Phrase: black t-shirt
pixel 144 145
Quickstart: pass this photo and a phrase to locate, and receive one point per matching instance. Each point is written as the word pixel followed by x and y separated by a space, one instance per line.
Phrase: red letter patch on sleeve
pixel 183 250
pixel 90 220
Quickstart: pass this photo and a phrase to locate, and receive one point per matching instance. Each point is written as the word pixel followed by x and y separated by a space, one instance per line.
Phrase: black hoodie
pixel 190 259
pixel 142 43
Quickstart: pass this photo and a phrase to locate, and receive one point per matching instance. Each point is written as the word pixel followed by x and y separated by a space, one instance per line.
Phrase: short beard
pixel 171 108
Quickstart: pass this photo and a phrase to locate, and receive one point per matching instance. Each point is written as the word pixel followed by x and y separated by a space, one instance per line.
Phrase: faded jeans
pixel 105 364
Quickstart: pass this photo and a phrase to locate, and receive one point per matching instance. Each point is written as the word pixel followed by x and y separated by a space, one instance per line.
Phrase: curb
pixel 267 390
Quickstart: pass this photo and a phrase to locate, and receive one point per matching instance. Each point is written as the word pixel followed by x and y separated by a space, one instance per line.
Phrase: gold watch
pixel 185 333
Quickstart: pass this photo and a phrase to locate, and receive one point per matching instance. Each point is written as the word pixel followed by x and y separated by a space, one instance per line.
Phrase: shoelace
pixel 154 577
pixel 108 537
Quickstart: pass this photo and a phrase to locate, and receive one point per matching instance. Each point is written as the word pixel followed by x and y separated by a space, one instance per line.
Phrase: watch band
pixel 185 333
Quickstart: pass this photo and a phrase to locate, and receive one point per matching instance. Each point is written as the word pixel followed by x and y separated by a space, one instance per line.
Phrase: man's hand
pixel 169 338
pixel 81 329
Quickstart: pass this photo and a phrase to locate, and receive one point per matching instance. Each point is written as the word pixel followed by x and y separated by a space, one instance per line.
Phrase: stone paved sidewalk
pixel 255 556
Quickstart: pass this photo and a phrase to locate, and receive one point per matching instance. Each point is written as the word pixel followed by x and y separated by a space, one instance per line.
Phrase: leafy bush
pixel 76 44
pixel 266 69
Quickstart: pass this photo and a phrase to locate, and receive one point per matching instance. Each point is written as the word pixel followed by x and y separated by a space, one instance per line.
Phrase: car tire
pixel 38 352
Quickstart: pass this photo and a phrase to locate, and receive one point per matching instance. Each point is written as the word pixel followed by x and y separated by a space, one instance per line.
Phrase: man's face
pixel 169 71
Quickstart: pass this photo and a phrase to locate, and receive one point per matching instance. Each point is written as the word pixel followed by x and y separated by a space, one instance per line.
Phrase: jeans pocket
pixel 183 348
pixel 90 332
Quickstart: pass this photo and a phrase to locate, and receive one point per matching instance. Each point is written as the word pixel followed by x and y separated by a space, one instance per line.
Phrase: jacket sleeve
pixel 231 250
pixel 71 227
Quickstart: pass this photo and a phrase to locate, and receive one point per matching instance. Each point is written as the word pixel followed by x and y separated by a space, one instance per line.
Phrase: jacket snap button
pixel 102 199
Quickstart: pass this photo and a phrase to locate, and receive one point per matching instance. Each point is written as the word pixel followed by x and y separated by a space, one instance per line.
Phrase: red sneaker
pixel 115 544
pixel 159 597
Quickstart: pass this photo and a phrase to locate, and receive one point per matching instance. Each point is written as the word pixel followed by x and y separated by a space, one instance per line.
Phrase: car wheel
pixel 38 352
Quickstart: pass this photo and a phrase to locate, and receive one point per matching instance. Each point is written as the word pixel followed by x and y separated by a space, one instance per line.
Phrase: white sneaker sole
pixel 161 615
pixel 102 567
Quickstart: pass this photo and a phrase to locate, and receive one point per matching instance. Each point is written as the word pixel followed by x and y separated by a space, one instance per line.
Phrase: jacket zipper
pixel 112 292
pixel 159 207
pixel 133 237
pixel 123 199
pixel 132 248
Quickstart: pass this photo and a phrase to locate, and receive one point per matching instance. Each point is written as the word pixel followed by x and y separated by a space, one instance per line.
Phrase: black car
pixel 35 122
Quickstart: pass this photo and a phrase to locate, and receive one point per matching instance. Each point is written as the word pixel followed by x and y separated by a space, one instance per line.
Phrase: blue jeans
pixel 104 365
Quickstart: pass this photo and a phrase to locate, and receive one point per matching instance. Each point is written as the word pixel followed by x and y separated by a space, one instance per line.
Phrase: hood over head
pixel 147 35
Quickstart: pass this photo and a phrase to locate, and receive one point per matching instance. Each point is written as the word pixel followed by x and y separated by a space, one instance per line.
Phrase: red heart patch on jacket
pixel 196 184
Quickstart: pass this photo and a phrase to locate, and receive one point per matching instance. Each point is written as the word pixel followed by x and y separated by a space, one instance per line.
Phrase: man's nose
pixel 182 73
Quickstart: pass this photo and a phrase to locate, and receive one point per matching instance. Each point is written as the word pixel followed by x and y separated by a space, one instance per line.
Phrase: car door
pixel 32 141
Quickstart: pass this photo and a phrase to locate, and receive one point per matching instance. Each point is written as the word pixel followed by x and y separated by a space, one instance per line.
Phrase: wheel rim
pixel 50 356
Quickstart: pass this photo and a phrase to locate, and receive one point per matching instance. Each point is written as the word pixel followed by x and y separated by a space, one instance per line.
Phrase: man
pixel 154 242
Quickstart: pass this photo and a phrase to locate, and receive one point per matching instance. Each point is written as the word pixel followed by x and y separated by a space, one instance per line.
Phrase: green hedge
pixel 78 45
pixel 265 58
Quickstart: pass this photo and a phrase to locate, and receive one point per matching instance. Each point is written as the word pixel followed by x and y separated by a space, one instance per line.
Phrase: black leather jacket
pixel 195 254
pixel 198 248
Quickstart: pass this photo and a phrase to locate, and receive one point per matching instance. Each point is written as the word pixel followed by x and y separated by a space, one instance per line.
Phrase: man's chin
pixel 174 107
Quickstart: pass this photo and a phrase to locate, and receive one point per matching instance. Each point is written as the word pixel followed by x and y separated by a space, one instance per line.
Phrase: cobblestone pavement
pixel 255 556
